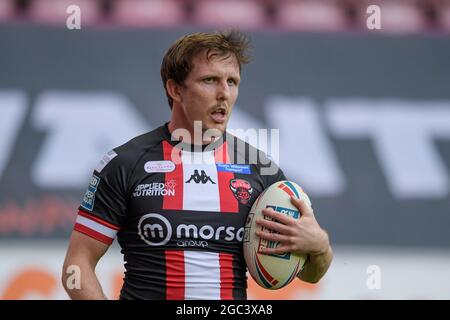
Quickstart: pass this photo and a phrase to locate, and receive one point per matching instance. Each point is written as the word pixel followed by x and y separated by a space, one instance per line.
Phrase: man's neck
pixel 189 134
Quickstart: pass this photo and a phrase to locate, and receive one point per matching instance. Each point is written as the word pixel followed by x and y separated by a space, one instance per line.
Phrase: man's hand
pixel 303 236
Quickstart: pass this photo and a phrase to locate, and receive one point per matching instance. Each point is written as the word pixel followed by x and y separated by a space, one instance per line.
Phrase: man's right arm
pixel 84 253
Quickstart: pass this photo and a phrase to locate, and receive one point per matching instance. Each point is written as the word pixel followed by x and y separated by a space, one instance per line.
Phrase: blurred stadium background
pixel 364 119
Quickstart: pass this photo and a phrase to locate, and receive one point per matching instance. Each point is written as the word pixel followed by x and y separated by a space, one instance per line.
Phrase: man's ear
pixel 174 90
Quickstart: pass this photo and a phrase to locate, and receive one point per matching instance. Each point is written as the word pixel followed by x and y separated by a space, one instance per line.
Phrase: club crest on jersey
pixel 242 190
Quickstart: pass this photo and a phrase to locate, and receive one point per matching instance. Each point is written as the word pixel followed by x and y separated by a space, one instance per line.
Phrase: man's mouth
pixel 219 115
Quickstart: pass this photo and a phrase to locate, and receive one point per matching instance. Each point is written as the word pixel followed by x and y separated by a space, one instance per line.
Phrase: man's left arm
pixel 316 266
pixel 303 236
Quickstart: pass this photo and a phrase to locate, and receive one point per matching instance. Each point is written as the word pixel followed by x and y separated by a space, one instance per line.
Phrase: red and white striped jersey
pixel 178 214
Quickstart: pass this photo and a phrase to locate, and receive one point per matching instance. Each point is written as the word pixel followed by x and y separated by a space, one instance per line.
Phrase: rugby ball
pixel 272 271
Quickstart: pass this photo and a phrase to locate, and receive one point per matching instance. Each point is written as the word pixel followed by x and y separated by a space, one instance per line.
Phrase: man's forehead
pixel 213 59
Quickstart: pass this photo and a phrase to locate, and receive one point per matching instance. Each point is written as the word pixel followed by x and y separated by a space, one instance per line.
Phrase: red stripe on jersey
pixel 221 153
pixel 94 218
pixel 228 202
pixel 175 275
pixel 92 233
pixel 226 276
pixel 174 202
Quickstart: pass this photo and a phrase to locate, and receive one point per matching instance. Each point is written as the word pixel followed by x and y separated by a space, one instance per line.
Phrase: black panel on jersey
pixel 134 193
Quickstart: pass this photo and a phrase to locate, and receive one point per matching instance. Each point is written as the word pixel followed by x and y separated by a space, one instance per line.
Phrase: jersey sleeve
pixel 269 170
pixel 103 208
pixel 278 175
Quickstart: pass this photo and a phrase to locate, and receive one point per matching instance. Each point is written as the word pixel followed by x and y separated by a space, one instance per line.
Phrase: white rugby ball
pixel 272 271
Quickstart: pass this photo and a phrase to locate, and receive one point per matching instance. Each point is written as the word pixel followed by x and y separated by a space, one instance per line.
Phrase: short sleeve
pixel 103 207
pixel 269 170
pixel 278 175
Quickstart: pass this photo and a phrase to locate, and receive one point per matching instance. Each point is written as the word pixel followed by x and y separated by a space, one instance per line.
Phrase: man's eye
pixel 231 82
pixel 208 80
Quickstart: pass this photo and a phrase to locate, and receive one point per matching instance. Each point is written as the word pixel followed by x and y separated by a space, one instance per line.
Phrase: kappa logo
pixel 203 177
pixel 242 190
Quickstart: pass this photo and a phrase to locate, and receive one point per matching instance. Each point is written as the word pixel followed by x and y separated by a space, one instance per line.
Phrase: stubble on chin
pixel 213 132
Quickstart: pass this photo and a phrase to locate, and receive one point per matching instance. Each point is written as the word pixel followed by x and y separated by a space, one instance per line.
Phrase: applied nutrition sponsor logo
pixel 156 230
pixel 155 189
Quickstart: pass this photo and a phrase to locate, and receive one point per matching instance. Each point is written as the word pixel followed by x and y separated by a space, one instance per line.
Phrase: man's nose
pixel 223 92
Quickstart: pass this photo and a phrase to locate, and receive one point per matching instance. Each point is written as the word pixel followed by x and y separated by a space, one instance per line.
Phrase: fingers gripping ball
pixel 272 271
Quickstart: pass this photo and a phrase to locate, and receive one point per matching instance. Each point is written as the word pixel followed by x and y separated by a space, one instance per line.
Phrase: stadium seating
pixel 55 12
pixel 398 16
pixel 243 14
pixel 151 13
pixel 443 16
pixel 7 10
pixel 310 15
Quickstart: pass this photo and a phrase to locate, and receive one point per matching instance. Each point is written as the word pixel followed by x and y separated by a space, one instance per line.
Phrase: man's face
pixel 210 91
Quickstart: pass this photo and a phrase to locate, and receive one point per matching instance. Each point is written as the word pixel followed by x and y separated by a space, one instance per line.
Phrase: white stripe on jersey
pixel 200 196
pixel 202 275
pixel 94 225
